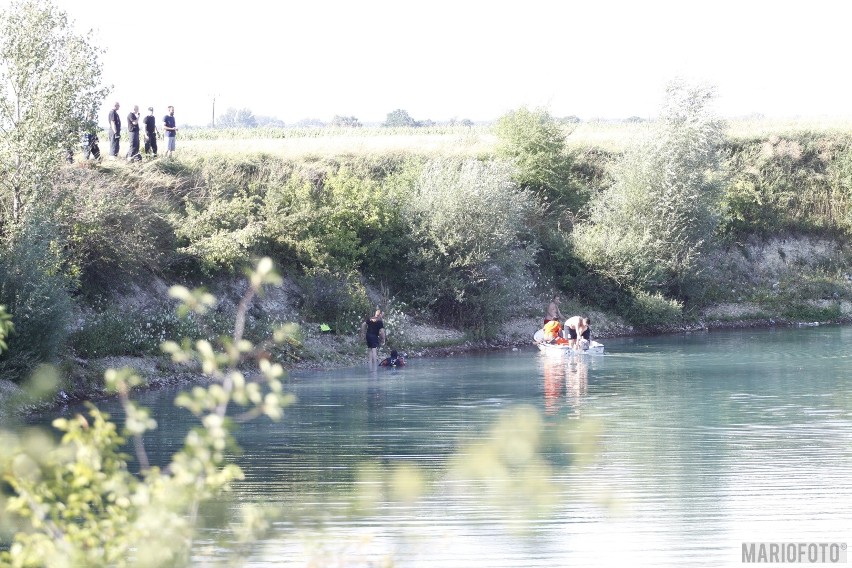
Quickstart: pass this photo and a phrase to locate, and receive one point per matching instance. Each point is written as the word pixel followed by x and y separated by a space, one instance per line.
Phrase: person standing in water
pixel 373 332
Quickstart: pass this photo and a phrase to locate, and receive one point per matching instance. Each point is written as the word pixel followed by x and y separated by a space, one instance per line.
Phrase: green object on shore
pixel 324 328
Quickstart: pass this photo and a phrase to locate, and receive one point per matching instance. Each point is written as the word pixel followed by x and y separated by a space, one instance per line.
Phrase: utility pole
pixel 214 111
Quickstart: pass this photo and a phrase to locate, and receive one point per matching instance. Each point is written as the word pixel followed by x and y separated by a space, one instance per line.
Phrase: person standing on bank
pixel 171 131
pixel 133 154
pixel 114 130
pixel 150 132
pixel 373 331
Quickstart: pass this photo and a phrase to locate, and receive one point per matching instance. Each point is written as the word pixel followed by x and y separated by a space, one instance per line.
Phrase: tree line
pixel 245 118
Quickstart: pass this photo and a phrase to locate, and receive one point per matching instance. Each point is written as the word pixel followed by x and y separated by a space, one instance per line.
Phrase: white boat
pixel 593 348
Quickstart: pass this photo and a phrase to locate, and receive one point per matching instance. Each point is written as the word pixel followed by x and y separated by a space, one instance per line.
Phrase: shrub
pixel 798 183
pixel 116 227
pixel 534 142
pixel 36 294
pixel 118 330
pixel 467 221
pixel 653 310
pixel 338 299
pixel 649 229
pixel 222 226
pixel 340 215
pixel 77 502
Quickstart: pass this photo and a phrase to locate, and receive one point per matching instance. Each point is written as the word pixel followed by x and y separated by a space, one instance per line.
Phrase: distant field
pixel 467 142
pixel 455 140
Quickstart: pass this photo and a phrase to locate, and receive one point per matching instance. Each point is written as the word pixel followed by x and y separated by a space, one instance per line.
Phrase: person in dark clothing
pixel 150 132
pixel 133 154
pixel 89 143
pixel 373 331
pixel 170 127
pixel 395 360
pixel 114 131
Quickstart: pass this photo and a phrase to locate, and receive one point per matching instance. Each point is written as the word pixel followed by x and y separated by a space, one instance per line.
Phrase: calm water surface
pixel 706 441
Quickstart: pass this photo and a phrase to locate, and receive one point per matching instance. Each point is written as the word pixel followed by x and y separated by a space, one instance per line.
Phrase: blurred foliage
pixel 76 503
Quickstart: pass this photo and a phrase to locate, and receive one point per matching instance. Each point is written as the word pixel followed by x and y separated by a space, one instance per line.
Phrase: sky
pixel 468 59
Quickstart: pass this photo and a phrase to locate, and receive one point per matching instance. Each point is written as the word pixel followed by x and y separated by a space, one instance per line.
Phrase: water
pixel 705 441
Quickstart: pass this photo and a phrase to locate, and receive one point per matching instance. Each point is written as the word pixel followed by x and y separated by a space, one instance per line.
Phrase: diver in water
pixel 395 360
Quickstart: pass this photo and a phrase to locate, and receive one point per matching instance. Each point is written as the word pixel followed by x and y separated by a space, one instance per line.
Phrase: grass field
pixel 453 140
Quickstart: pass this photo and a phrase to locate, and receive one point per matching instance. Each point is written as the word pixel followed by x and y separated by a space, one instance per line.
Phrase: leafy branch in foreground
pixel 78 504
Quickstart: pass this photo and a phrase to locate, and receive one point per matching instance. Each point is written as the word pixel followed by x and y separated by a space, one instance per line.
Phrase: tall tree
pixel 245 118
pixel 536 144
pixel 50 90
pixel 234 118
pixel 649 230
pixel 228 119
pixel 345 121
pixel 399 117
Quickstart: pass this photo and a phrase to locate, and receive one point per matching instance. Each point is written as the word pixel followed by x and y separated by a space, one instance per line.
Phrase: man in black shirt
pixel 133 154
pixel 114 131
pixel 150 132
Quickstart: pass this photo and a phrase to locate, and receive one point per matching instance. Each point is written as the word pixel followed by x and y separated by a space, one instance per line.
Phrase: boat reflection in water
pixel 566 379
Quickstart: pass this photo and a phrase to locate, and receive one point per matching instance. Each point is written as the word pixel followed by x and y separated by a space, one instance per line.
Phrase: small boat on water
pixel 593 347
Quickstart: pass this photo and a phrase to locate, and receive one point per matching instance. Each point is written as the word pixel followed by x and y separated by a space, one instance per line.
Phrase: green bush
pixel 336 299
pixel 649 230
pixel 648 310
pixel 470 258
pixel 534 142
pixel 341 215
pixel 809 312
pixel 36 293
pixel 798 183
pixel 116 226
pixel 118 330
pixel 222 226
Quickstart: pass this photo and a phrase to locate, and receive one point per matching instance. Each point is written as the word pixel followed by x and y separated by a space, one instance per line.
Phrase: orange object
pixel 552 330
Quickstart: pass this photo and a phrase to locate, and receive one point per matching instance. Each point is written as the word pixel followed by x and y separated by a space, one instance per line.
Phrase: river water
pixel 665 451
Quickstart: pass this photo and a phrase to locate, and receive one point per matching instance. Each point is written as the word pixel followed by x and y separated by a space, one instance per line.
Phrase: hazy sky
pixel 469 58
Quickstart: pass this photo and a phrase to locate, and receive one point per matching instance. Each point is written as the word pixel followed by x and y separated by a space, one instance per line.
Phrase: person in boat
pixel 552 312
pixel 395 360
pixel 577 327
pixel 553 333
pixel 373 332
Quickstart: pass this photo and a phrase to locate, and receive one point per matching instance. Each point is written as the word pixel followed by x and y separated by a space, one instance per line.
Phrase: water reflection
pixel 566 380
pixel 577 379
pixel 554 380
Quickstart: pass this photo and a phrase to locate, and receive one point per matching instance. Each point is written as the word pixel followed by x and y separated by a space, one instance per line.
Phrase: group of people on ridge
pixel 373 332
pixel 133 132
pixel 576 328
